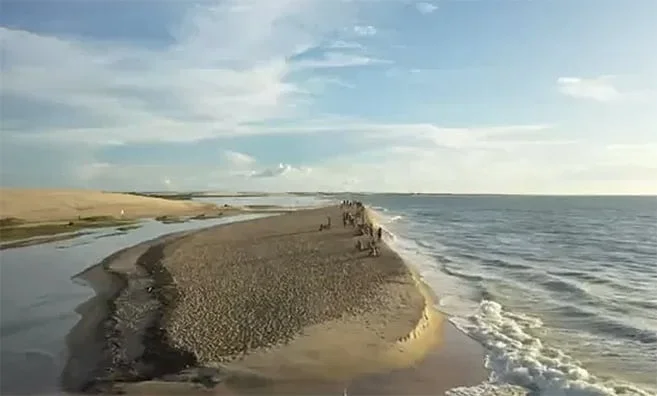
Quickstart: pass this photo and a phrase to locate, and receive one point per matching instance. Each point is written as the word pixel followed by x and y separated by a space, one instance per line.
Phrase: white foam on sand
pixel 518 360
pixel 516 355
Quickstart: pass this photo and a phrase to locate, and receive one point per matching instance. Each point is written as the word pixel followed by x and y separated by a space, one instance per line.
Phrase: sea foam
pixel 519 361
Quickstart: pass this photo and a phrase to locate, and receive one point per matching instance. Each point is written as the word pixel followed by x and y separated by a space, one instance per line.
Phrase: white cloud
pixel 365 30
pixel 228 69
pixel 599 89
pixel 231 71
pixel 420 158
pixel 340 44
pixel 280 170
pixel 421 133
pixel 237 159
pixel 426 8
pixel 320 84
pixel 337 59
pixel 509 166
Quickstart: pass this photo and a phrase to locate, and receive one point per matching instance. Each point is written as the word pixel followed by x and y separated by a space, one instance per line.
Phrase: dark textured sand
pixel 265 306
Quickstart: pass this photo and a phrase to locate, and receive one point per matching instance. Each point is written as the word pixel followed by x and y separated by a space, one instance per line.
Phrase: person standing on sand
pixel 379 233
pixel 374 251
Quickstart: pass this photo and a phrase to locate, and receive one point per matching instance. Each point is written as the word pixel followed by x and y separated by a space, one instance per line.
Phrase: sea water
pixel 561 291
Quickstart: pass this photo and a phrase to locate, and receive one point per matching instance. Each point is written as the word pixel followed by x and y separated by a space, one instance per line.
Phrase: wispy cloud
pixel 341 44
pixel 227 69
pixel 338 59
pixel 280 170
pixel 236 70
pixel 365 30
pixel 320 84
pixel 237 159
pixel 600 89
pixel 426 8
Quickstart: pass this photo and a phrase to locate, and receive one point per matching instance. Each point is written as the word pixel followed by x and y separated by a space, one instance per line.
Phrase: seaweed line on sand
pixel 159 358
pixel 159 352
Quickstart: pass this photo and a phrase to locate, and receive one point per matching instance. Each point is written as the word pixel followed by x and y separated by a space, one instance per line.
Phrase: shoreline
pixel 34 216
pixel 135 310
pixel 90 342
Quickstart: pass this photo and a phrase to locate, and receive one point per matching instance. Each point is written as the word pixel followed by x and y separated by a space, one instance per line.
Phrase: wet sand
pixel 266 306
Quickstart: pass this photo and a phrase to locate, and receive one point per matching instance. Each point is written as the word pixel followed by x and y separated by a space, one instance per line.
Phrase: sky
pixel 467 96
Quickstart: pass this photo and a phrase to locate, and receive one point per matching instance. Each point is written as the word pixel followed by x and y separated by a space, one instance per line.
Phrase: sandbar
pixel 272 305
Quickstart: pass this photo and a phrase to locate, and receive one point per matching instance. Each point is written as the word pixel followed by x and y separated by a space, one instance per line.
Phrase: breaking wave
pixel 520 359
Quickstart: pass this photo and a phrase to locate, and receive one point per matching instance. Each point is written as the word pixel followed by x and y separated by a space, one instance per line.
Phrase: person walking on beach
pixel 374 250
pixel 379 233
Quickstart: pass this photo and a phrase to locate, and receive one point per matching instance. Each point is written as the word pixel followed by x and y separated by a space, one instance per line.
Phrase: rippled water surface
pixel 561 289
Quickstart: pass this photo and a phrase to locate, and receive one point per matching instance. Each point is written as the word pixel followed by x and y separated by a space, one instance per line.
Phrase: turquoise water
pixel 561 290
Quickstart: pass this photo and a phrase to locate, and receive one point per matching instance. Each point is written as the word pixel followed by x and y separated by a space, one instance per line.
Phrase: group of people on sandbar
pixel 353 215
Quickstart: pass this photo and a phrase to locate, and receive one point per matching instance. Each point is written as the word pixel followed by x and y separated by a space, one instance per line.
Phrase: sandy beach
pixel 46 205
pixel 33 216
pixel 268 306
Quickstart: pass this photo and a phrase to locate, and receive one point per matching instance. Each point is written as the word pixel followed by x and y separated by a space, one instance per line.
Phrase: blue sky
pixel 472 96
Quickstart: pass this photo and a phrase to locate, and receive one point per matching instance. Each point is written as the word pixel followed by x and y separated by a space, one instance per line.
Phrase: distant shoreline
pixel 32 216
pixel 191 195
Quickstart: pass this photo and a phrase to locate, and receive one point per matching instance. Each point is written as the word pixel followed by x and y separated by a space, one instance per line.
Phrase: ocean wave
pixel 561 286
pixel 519 358
pixel 598 323
pixel 487 389
pixel 463 275
pixel 516 356
pixel 506 264
pixel 584 276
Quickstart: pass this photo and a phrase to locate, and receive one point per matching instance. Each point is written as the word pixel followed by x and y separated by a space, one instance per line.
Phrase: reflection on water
pixel 39 299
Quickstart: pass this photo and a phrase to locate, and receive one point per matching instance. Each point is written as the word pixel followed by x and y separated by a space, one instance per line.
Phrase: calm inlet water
pixel 39 298
pixel 561 290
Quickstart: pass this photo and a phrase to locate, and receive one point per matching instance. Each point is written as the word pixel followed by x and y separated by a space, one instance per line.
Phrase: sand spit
pixel 272 298
pixel 114 322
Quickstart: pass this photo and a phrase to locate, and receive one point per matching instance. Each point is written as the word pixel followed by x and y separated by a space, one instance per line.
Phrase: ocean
pixel 561 291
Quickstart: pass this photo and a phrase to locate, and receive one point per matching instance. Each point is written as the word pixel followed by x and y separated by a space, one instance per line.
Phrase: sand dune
pixel 43 205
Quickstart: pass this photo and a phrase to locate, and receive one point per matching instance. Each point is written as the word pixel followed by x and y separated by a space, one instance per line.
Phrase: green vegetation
pixel 204 216
pixel 38 241
pixel 264 207
pixel 170 219
pixel 10 221
pixel 12 229
pixel 128 227
pixel 172 196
